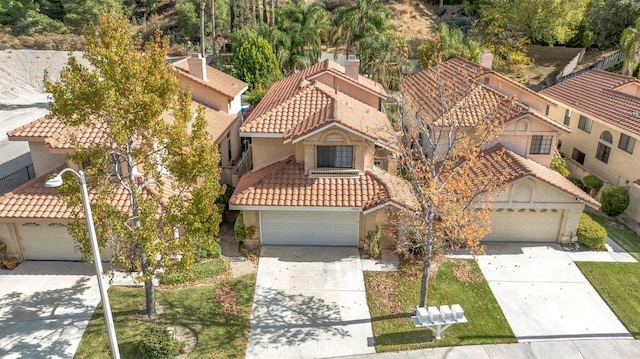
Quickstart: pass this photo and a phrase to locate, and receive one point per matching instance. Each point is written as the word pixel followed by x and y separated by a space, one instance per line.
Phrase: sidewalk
pixel 578 349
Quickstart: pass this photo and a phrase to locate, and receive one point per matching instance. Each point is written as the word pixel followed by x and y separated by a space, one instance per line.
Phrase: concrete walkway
pixel 577 349
pixel 544 295
pixel 614 253
pixel 309 302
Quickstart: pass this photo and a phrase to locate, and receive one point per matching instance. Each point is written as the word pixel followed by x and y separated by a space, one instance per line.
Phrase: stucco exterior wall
pixel 363 150
pixel 269 150
pixel 252 218
pixel 517 136
pixel 43 160
pixel 634 202
pixel 368 223
pixel 205 94
pixel 350 89
pixel 9 236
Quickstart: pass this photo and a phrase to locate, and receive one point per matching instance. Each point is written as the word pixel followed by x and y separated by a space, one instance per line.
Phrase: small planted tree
pixel 614 200
pixel 167 170
pixel 591 233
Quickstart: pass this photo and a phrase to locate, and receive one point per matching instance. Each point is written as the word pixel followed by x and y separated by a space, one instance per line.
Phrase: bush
pixel 591 233
pixel 559 165
pixel 577 182
pixel 615 200
pixel 374 240
pixel 238 228
pixel 157 343
pixel 592 182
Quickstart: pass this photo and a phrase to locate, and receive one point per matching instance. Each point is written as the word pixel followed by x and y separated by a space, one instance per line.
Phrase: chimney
pixel 352 67
pixel 198 66
pixel 486 59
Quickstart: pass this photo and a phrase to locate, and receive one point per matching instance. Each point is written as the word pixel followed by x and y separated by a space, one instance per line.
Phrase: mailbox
pixel 458 313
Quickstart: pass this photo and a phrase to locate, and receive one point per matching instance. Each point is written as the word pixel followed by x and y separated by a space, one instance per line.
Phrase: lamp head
pixel 55 181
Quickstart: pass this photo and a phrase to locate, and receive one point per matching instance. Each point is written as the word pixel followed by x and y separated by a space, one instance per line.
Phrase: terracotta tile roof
pixel 39 129
pixel 286 88
pixel 218 122
pixel 284 183
pixel 217 80
pixel 451 93
pixel 594 94
pixel 33 200
pixel 508 166
pixel 57 135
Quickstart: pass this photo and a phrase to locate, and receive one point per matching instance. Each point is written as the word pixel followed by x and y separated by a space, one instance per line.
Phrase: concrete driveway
pixel 309 302
pixel 45 308
pixel 544 296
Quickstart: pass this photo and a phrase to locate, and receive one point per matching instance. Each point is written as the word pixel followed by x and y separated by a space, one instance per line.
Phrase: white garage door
pixel 525 226
pixel 47 242
pixel 308 228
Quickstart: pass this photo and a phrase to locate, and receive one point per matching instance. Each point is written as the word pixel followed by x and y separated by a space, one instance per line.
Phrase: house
pixel 33 218
pixel 323 151
pixel 537 204
pixel 603 111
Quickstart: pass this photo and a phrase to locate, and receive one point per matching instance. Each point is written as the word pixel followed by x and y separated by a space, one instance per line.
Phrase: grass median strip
pixel 392 296
pixel 618 283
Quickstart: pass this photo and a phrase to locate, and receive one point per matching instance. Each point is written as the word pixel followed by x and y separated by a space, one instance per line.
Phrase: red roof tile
pixel 217 80
pixel 594 94
pixel 284 183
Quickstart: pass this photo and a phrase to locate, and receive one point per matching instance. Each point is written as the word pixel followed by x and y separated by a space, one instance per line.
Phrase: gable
pixel 530 189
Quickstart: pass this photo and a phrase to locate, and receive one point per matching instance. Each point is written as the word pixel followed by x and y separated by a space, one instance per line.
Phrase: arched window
pixel 606 137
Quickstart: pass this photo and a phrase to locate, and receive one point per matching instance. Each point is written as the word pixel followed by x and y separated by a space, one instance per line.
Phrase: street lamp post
pixel 56 181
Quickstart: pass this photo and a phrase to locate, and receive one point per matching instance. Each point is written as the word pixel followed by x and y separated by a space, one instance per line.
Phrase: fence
pixel 23 175
pixel 602 64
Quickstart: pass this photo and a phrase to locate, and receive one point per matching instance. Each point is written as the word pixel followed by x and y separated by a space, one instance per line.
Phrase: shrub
pixel 592 182
pixel 374 239
pixel 157 343
pixel 559 165
pixel 591 233
pixel 615 200
pixel 238 228
pixel 577 182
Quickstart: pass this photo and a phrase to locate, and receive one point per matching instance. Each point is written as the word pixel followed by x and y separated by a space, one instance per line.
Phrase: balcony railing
pixel 231 174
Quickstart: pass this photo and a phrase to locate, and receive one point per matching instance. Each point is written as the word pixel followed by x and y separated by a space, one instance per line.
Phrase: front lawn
pixel 618 283
pixel 393 295
pixel 218 315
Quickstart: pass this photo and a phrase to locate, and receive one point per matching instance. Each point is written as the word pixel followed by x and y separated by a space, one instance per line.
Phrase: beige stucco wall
pixel 9 236
pixel 634 202
pixel 517 136
pixel 252 218
pixel 363 150
pixel 622 166
pixel 205 94
pixel 269 150
pixel 43 160
pixel 368 223
pixel 350 89
pixel 532 193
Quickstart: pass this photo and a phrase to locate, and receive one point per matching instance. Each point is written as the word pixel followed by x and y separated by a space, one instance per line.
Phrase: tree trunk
pixel 273 13
pixel 149 293
pixel 214 49
pixel 441 5
pixel 202 48
pixel 428 249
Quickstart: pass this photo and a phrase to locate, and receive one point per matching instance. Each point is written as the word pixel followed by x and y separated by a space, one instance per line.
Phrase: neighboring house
pixel 537 204
pixel 33 218
pixel 323 161
pixel 603 110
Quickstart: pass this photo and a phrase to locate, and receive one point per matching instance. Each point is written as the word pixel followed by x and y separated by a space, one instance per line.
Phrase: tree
pixel 447 44
pixel 254 61
pixel 443 157
pixel 80 13
pixel 607 19
pixel 167 171
pixel 630 44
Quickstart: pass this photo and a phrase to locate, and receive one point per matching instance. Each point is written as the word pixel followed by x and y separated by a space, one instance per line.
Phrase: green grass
pixel 393 295
pixel 206 269
pixel 618 283
pixel 218 335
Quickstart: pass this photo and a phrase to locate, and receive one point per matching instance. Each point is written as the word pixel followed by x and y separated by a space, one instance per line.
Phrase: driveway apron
pixel 45 308
pixel 310 302
pixel 544 295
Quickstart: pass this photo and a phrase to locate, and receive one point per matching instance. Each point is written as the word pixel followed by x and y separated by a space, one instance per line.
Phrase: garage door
pixel 526 226
pixel 309 228
pixel 49 242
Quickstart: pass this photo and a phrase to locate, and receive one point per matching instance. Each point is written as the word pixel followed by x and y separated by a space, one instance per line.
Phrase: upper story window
pixel 606 137
pixel 540 145
pixel 603 152
pixel 335 156
pixel 627 143
pixel 567 117
pixel 578 156
pixel 585 124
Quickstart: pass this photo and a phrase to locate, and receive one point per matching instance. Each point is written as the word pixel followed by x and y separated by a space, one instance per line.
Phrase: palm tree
pixel 630 44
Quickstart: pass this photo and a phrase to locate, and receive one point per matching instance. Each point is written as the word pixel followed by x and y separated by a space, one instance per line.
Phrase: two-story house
pixel 33 218
pixel 536 204
pixel 603 111
pixel 322 155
